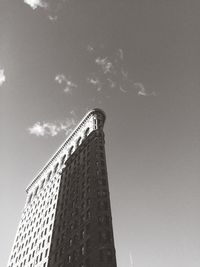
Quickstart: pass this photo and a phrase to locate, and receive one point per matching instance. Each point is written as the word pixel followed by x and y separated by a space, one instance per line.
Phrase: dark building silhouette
pixel 66 221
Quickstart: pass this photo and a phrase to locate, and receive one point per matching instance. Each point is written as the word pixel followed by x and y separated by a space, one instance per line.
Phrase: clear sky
pixel 139 61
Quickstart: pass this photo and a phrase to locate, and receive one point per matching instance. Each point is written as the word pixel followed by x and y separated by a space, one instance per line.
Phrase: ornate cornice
pixel 73 135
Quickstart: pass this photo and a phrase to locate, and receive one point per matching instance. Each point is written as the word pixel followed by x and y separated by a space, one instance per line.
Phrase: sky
pixel 139 61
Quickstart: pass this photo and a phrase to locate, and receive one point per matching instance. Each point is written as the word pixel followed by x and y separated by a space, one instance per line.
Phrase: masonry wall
pixel 66 220
pixel 82 235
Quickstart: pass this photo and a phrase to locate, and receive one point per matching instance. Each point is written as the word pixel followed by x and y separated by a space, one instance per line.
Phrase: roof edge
pixel 88 114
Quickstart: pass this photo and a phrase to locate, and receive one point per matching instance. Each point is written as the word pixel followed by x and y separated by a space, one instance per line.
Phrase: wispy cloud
pixel 53 18
pixel 90 48
pixel 2 76
pixel 112 84
pixel 36 3
pixel 120 54
pixel 69 85
pixel 142 90
pixel 122 89
pixel 110 73
pixel 42 129
pixel 52 8
pixel 93 80
pixel 105 64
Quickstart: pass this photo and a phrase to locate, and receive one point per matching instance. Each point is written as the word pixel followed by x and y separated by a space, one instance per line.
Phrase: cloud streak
pixel 69 85
pixel 2 77
pixel 142 90
pixel 41 129
pixel 105 64
pixel 93 80
pixel 36 3
pixel 53 18
pixel 90 48
pixel 122 89
pixel 110 72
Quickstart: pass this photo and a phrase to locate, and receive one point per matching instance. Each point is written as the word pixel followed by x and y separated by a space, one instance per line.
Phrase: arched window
pixel 56 168
pixel 49 176
pixel 71 150
pixel 87 132
pixel 36 190
pixel 78 142
pixel 63 159
pixel 30 197
pixel 42 184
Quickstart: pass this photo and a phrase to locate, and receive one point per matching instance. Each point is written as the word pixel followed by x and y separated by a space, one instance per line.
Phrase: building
pixel 66 221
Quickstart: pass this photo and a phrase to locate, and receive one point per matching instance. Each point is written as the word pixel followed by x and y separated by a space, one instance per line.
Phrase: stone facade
pixel 66 220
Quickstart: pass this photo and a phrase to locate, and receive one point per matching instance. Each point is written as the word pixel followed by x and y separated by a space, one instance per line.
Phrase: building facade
pixel 66 221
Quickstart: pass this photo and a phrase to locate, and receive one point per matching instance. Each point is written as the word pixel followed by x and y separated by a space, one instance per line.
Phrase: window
pixel 82 234
pixel 49 176
pixel 87 132
pixel 88 245
pixel 71 151
pixel 88 214
pixel 36 190
pixel 70 242
pixel 30 197
pixel 78 142
pixel 87 262
pixel 82 250
pixel 102 205
pixel 101 254
pixel 46 252
pixel 102 181
pixel 63 159
pixel 56 168
pixel 75 255
pixel 109 255
pixel 42 184
pixel 88 201
pixel 69 258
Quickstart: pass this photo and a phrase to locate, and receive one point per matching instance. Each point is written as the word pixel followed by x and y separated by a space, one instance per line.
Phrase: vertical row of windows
pixel 35 229
pixel 73 217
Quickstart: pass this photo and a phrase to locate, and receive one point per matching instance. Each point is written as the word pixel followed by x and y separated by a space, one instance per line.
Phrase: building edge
pixel 94 111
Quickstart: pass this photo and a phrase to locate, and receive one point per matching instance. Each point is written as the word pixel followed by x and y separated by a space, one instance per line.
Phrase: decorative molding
pixel 93 120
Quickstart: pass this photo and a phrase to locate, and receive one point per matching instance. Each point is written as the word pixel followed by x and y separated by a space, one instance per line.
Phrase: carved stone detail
pixel 93 120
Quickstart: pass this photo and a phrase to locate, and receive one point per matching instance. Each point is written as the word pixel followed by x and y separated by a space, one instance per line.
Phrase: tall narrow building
pixel 66 221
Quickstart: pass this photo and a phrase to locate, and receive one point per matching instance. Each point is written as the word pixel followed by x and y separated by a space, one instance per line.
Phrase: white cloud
pixel 105 64
pixel 93 81
pixel 90 48
pixel 2 76
pixel 60 78
pixel 69 85
pixel 53 18
pixel 36 3
pixel 122 89
pixel 142 91
pixel 52 129
pixel 96 82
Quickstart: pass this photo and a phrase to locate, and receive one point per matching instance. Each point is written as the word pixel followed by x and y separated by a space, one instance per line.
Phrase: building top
pixel 85 125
